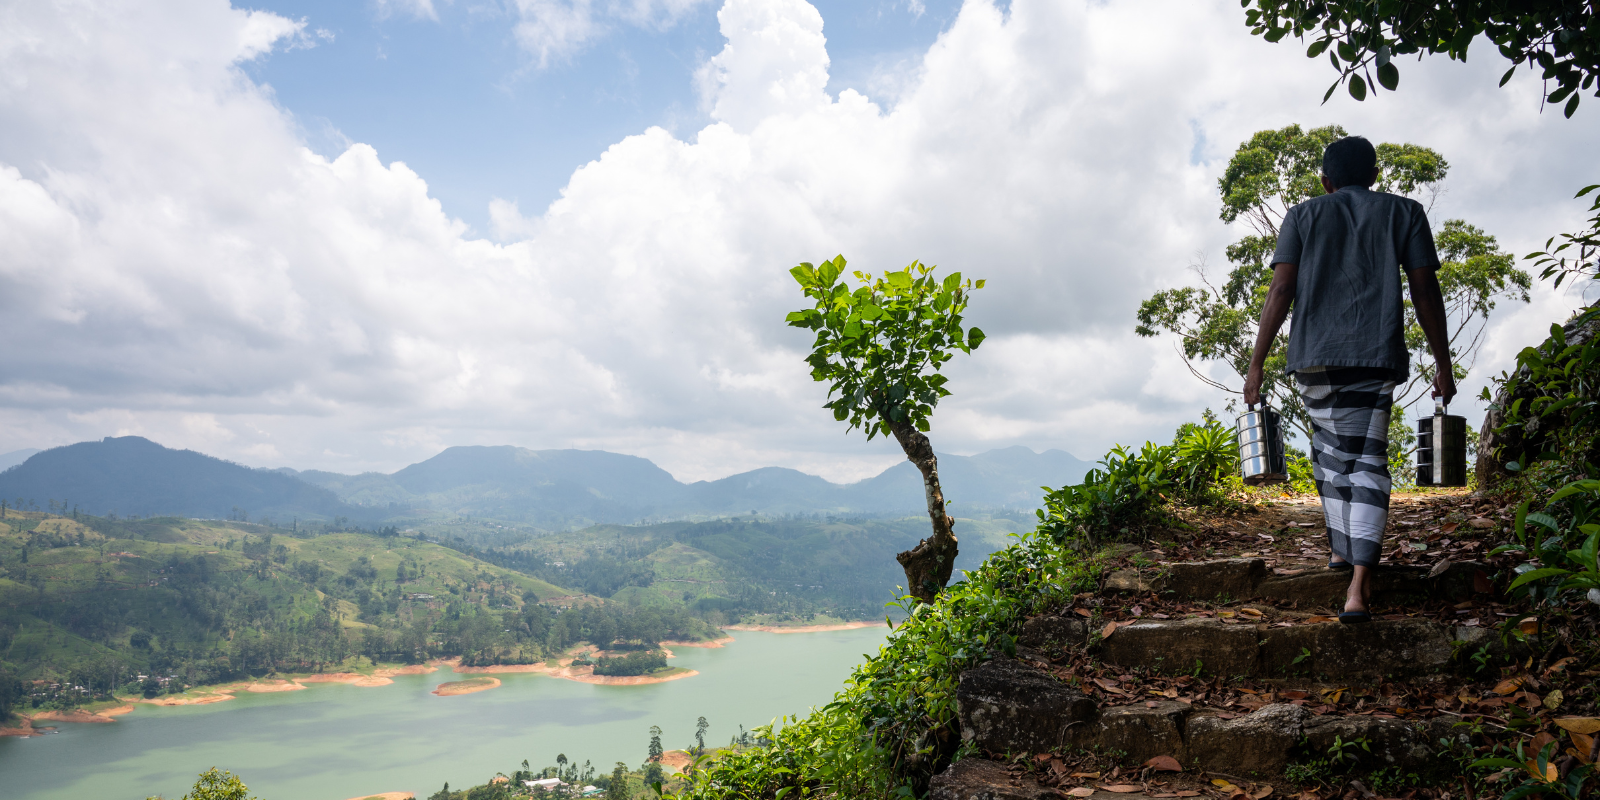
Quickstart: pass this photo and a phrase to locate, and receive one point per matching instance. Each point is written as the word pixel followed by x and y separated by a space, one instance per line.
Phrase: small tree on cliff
pixel 880 347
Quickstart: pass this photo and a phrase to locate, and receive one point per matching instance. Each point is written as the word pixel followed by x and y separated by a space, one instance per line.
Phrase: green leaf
pixel 1347 51
pixel 1389 76
pixel 1358 87
pixel 1537 575
pixel 1572 106
pixel 1507 77
pixel 975 337
pixel 1329 93
pixel 1317 48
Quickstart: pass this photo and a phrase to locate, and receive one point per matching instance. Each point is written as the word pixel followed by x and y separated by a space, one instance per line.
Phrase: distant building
pixel 545 784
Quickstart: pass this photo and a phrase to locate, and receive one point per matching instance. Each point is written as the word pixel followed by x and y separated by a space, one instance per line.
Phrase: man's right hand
pixel 1252 386
pixel 1444 383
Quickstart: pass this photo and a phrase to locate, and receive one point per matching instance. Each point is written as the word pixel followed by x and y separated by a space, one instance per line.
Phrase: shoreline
pixel 845 626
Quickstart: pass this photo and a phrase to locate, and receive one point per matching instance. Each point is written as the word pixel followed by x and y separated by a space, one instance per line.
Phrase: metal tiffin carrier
pixel 1441 449
pixel 1261 460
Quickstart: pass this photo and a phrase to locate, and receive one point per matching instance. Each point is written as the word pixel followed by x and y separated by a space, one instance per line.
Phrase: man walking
pixel 1338 265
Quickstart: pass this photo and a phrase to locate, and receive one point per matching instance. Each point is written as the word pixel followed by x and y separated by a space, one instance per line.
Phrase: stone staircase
pixel 1227 673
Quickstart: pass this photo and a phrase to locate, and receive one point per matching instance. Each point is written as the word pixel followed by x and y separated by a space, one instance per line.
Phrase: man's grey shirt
pixel 1348 306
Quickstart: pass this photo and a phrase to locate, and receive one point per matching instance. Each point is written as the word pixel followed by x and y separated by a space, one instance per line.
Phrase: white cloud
pixel 554 30
pixel 417 9
pixel 179 265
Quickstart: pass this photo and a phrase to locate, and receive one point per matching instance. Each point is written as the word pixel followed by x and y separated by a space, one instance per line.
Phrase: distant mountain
pixel 550 489
pixel 132 475
pixel 567 488
pixel 15 457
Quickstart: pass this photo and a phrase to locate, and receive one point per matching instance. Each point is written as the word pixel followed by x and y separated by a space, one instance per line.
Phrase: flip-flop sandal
pixel 1340 565
pixel 1354 617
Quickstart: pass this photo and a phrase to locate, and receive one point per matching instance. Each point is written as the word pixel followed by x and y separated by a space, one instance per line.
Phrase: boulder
pixel 1006 706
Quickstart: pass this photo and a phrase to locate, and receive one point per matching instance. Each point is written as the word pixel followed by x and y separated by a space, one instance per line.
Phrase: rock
pixel 982 779
pixel 1174 646
pixel 1140 732
pixel 1481 523
pixel 1495 449
pixel 1053 632
pixel 1257 745
pixel 1007 706
pixel 1235 578
pixel 1127 580
pixel 1385 647
pixel 1392 742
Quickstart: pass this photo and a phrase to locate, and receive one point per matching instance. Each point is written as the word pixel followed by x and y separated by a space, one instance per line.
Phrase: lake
pixel 335 741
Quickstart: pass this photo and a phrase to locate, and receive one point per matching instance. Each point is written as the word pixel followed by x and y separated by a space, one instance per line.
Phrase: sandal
pixel 1354 617
pixel 1340 565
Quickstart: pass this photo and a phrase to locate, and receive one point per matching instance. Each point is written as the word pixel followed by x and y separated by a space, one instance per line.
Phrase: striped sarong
pixel 1349 409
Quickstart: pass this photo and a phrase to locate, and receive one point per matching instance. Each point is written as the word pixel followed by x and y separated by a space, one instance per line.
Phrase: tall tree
pixel 700 727
pixel 618 788
pixel 1274 170
pixel 881 347
pixel 1363 37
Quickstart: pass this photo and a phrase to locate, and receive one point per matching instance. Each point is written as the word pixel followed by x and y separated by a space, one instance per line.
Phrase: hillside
pixel 97 601
pixel 737 570
pixel 132 476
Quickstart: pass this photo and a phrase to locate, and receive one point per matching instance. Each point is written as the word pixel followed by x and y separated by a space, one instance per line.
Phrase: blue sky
pixel 345 237
pixel 456 98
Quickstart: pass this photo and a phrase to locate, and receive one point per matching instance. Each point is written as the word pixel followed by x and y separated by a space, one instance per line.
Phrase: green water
pixel 334 741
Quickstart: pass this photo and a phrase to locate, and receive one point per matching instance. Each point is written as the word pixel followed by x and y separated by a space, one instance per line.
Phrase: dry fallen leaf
pixel 1261 793
pixel 1583 745
pixel 1550 772
pixel 1164 764
pixel 1081 791
pixel 1585 725
pixel 1250 612
pixel 1093 776
pixel 1110 628
pixel 1109 685
pixel 1553 700
pixel 1225 614
pixel 1123 788
pixel 1083 612
pixel 1321 618
pixel 1529 626
pixel 1508 686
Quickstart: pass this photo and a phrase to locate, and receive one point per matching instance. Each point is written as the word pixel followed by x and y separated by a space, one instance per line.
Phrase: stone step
pixel 1389 648
pixel 1008 707
pixel 1250 579
pixel 982 779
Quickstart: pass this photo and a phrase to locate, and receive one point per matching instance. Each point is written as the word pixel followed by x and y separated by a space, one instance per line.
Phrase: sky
pixel 345 236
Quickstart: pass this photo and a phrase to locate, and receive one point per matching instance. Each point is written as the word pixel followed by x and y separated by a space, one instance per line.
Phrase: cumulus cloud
pixel 180 265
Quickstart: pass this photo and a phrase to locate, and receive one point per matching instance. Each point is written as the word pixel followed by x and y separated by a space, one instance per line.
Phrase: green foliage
pixel 1402 446
pixel 1560 544
pixel 1541 778
pixel 1268 174
pixel 631 664
pixel 1551 419
pixel 880 347
pixel 1362 38
pixel 1584 261
pixel 1127 494
pixel 215 784
pixel 894 724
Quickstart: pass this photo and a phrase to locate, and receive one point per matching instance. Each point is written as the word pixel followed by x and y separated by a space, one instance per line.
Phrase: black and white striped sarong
pixel 1349 409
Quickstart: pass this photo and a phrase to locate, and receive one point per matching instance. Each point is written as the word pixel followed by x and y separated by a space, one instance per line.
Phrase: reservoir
pixel 336 741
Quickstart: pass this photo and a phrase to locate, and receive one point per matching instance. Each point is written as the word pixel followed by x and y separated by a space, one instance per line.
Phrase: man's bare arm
pixel 1428 300
pixel 1280 296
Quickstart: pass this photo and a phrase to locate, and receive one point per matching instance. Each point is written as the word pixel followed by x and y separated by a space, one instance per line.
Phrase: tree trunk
pixel 929 564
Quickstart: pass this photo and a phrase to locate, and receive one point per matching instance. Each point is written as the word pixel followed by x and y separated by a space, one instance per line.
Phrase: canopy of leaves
pixel 1269 174
pixel 1560 38
pixel 1584 258
pixel 880 346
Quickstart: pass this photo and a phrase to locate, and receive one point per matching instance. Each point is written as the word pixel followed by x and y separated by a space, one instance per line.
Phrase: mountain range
pixel 551 489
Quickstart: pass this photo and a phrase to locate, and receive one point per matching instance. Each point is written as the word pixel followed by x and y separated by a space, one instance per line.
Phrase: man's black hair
pixel 1349 162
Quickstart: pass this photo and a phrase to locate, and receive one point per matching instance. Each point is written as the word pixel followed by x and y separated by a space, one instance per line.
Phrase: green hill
pixel 97 602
